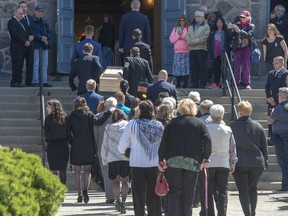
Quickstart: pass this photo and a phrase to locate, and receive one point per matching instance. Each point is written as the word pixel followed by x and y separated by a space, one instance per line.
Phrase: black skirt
pixel 58 154
pixel 120 168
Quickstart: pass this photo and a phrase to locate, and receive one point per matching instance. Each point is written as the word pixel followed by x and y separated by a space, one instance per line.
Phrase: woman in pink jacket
pixel 181 65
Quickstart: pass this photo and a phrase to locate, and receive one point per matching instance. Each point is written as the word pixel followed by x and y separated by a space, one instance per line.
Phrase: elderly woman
pixel 223 160
pixel 279 120
pixel 186 143
pixel 252 156
pixel 143 136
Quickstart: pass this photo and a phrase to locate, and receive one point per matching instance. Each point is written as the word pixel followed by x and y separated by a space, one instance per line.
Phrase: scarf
pixel 149 134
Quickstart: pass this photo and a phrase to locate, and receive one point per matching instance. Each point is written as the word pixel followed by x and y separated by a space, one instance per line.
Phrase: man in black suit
pixel 129 22
pixel 18 45
pixel 161 86
pixel 145 51
pixel 85 67
pixel 28 23
pixel 275 80
pixel 136 70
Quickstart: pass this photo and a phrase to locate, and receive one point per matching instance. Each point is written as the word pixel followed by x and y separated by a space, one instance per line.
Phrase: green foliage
pixel 26 187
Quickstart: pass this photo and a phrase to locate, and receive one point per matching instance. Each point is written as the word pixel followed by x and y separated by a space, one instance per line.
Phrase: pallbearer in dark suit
pixel 28 23
pixel 275 80
pixel 86 67
pixel 161 86
pixel 18 45
pixel 129 22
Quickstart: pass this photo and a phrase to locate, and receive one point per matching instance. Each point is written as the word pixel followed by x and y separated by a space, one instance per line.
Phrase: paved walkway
pixel 268 205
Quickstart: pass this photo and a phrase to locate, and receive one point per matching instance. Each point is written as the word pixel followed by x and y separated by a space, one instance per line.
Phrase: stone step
pixel 261 185
pixel 20 122
pixel 271 150
pixel 24 114
pixel 20 131
pixel 20 140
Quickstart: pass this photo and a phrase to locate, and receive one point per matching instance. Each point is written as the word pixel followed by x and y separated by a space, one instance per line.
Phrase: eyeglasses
pixel 276 63
pixel 181 20
pixel 242 17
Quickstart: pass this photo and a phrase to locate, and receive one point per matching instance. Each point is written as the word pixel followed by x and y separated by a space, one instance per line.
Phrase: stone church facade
pixel 229 8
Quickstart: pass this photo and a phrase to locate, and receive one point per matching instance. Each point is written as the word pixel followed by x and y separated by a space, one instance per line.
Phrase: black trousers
pixel 182 185
pixel 29 57
pixel 217 70
pixel 17 57
pixel 198 68
pixel 217 188
pixel 143 191
pixel 246 179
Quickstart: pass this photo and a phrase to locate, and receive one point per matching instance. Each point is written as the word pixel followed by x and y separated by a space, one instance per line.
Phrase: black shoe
pixel 35 85
pixel 110 201
pixel 17 85
pixel 122 208
pixel 280 190
pixel 80 198
pixel 118 205
pixel 85 195
pixel 47 85
pixel 29 84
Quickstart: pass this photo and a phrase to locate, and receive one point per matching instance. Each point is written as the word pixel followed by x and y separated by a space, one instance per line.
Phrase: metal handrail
pixel 230 85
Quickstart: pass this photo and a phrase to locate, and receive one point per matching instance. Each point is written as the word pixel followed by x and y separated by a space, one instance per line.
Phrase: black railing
pixel 230 84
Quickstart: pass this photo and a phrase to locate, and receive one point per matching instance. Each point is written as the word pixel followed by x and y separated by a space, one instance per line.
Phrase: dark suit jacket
pixel 78 49
pixel 18 35
pixel 86 67
pixel 273 83
pixel 136 69
pixel 160 86
pixel 145 51
pixel 129 22
pixel 92 100
pixel 30 29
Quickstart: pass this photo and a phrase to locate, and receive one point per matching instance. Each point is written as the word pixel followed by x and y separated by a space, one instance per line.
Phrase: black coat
pixel 185 136
pixel 250 141
pixel 161 86
pixel 86 67
pixel 136 69
pixel 81 137
pixel 145 51
pixel 18 35
pixel 107 35
pixel 282 25
pixel 30 28
pixel 54 131
pixel 274 83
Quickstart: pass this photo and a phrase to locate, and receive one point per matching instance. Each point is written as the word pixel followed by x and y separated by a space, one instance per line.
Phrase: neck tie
pixel 27 20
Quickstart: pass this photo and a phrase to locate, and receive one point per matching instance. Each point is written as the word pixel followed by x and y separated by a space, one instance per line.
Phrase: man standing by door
pixel 28 23
pixel 18 45
pixel 129 22
pixel 43 35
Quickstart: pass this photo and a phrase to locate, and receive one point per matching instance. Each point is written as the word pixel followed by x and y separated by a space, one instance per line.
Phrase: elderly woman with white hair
pixel 223 159
pixel 110 104
pixel 185 144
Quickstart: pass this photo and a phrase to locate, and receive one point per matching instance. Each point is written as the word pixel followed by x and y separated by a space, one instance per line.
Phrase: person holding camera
pixel 181 64
pixel 241 32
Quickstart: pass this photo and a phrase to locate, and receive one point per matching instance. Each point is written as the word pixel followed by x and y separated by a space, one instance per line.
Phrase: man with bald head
pixel 161 86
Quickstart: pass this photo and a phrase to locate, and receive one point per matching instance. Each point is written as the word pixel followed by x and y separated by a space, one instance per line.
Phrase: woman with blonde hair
pixel 273 45
pixel 185 144
pixel 181 65
pixel 252 156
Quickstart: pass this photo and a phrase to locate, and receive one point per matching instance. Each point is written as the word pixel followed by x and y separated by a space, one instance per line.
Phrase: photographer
pixel 241 32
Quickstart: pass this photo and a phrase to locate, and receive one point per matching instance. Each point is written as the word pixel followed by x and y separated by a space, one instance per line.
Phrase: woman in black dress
pixel 80 136
pixel 55 133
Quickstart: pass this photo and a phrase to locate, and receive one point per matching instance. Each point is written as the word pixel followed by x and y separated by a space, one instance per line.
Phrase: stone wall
pixel 7 8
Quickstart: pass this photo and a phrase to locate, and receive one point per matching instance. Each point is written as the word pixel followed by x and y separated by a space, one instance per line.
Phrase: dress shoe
pixel 17 85
pixel 79 198
pixel 29 84
pixel 85 195
pixel 110 201
pixel 47 85
pixel 282 190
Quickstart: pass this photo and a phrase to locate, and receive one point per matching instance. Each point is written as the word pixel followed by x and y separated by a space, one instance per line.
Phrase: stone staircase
pixel 20 123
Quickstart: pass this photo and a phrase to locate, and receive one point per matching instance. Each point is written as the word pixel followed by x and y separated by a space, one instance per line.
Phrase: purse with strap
pixel 162 186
